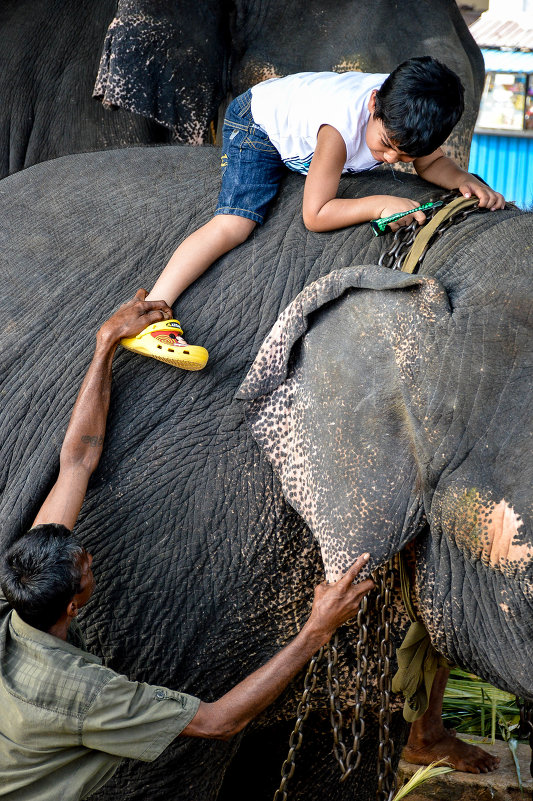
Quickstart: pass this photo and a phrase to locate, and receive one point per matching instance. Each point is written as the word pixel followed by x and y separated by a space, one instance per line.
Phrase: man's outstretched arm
pixel 84 439
pixel 333 605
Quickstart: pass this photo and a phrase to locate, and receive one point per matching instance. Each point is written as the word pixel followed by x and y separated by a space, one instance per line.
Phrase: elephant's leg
pixel 429 740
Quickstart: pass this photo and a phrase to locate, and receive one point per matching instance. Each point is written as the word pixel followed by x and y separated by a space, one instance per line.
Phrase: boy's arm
pixel 323 211
pixel 83 443
pixel 443 171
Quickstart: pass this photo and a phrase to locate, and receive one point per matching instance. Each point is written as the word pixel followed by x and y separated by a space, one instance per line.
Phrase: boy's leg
pixel 429 740
pixel 251 172
pixel 163 341
pixel 197 252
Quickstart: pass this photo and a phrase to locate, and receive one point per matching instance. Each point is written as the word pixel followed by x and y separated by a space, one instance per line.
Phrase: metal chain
pixel 385 613
pixel 295 740
pixel 404 237
pixel 349 760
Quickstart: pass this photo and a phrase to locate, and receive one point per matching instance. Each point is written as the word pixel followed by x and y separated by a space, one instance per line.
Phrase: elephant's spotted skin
pixel 489 531
pixel 48 66
pixel 203 569
pixel 346 513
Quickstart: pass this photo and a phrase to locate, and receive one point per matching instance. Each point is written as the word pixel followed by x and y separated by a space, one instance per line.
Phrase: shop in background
pixel 502 146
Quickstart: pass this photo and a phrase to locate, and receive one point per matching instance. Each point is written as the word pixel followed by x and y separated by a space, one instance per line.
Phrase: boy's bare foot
pixel 425 747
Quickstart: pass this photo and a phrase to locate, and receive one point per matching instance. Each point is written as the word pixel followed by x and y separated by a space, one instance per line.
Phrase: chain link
pixel 404 237
pixel 385 614
pixel 349 760
pixel 295 740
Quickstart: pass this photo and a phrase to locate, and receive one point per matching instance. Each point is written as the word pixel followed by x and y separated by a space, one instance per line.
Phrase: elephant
pixel 204 557
pixel 167 70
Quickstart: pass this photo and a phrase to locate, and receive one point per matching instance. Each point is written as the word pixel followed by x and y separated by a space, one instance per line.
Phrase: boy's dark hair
pixel 419 104
pixel 41 572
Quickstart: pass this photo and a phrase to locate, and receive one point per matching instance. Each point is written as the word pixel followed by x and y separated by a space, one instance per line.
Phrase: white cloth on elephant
pixel 292 109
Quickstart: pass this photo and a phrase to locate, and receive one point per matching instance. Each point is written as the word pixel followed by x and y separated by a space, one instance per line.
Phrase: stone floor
pixel 501 785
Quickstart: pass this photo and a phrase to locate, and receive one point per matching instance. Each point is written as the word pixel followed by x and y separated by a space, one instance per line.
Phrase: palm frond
pixel 472 706
pixel 422 775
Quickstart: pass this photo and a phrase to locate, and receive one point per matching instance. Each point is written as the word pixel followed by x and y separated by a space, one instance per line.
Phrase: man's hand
pixel 132 317
pixel 488 198
pixel 336 603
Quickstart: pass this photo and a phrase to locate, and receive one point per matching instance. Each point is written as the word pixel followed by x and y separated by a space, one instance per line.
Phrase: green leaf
pixel 470 703
pixel 422 775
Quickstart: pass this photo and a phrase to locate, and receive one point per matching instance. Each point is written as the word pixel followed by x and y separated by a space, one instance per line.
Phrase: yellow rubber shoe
pixel 163 341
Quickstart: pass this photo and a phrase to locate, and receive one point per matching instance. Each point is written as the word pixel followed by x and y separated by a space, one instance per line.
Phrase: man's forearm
pixel 82 446
pixel 252 695
pixel 333 605
pixel 84 438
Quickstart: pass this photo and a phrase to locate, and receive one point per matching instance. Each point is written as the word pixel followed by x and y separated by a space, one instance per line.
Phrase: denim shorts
pixel 251 166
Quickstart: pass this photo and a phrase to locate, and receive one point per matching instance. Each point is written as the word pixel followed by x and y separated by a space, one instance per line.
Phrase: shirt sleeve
pixel 136 720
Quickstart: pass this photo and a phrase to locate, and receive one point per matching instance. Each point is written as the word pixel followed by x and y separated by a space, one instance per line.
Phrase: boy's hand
pixel 395 205
pixel 488 198
pixel 336 603
pixel 132 317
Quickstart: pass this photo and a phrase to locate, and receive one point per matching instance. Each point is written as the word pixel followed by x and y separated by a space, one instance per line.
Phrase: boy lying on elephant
pixel 67 721
pixel 322 125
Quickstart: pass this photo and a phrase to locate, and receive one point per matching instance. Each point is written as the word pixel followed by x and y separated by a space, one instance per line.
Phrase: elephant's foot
pixel 428 744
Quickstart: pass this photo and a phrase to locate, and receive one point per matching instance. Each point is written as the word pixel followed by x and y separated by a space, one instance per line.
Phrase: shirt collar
pixel 42 638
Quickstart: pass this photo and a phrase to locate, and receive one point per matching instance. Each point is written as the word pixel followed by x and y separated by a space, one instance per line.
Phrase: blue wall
pixel 505 163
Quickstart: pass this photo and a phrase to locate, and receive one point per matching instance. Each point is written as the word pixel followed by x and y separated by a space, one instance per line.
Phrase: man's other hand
pixel 336 603
pixel 132 317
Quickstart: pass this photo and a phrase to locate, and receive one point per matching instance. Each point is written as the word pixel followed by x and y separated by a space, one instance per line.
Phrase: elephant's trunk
pixel 481 614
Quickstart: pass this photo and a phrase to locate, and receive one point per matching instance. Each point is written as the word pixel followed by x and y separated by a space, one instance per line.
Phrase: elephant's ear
pixel 336 403
pixel 169 71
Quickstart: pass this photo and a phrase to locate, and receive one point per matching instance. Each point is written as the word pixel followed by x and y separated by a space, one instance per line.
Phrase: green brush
pixel 381 225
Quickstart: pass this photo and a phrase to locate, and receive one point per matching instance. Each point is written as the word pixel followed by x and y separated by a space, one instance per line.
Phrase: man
pixel 67 721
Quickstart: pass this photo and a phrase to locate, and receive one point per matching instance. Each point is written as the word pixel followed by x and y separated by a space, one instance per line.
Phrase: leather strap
pixel 426 232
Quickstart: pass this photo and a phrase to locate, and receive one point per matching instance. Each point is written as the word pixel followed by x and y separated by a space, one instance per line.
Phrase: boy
pixel 321 124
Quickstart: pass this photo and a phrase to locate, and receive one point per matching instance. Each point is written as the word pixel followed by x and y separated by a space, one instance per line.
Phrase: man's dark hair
pixel 41 572
pixel 419 104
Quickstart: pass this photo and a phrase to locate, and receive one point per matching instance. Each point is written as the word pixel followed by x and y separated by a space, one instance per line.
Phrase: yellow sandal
pixel 164 341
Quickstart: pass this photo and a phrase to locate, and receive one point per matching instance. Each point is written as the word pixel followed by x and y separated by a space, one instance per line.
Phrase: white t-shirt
pixel 292 109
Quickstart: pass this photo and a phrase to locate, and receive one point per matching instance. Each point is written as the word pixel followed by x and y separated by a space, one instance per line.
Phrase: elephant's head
pixel 397 407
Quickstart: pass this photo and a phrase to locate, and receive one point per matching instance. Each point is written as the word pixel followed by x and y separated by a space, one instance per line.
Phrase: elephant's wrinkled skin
pixel 176 63
pixel 203 570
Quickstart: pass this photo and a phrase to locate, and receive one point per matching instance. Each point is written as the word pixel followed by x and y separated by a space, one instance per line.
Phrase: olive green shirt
pixel 66 721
